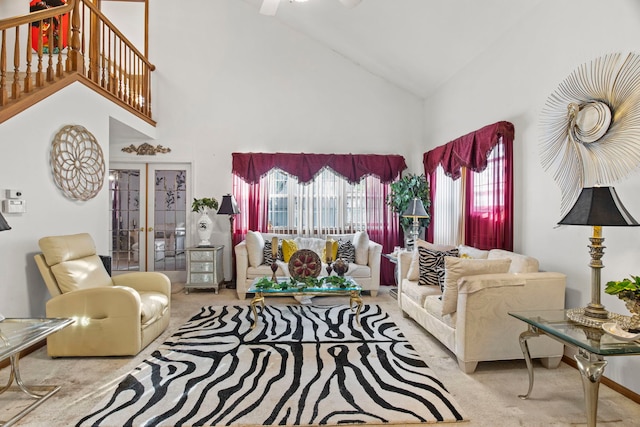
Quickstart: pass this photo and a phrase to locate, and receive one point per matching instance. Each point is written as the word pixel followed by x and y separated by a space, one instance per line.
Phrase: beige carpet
pixel 488 397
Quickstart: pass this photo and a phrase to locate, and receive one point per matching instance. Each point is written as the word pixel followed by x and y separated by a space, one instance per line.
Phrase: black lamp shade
pixel 3 224
pixel 599 206
pixel 228 206
pixel 415 209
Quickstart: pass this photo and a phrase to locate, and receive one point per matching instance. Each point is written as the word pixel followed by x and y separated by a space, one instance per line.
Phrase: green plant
pixel 625 289
pixel 403 191
pixel 199 205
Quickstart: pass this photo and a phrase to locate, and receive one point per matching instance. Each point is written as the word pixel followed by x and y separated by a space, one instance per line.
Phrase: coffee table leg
pixel 258 298
pixel 355 297
pixel 591 371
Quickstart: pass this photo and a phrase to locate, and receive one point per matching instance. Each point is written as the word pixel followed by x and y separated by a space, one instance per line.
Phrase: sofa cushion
pixel 361 244
pixel 433 306
pixel 431 266
pixel 84 273
pixel 57 249
pixel 414 268
pixel 418 293
pixel 519 263
pixel 456 268
pixel 153 305
pixel 255 245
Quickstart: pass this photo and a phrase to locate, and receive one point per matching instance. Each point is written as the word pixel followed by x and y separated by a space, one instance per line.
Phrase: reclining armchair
pixel 114 316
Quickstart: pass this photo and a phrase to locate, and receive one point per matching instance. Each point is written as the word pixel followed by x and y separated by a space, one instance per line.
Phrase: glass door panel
pixel 148 204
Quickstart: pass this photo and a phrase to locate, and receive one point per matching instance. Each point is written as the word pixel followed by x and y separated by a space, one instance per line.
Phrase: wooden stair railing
pixel 86 47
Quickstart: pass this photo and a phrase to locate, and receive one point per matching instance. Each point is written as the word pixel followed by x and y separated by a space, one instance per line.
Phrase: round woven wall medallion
pixel 77 163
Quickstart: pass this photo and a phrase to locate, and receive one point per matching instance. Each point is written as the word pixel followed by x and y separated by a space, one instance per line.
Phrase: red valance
pixel 353 167
pixel 470 151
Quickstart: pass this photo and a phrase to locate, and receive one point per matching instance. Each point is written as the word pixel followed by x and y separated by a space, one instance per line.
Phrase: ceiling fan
pixel 269 7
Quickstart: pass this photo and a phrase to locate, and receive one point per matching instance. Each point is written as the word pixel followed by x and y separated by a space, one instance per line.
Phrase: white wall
pixel 25 141
pixel 511 81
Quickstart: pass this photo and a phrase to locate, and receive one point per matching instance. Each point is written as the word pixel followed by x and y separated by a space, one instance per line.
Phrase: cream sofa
pixel 250 259
pixel 480 328
pixel 114 316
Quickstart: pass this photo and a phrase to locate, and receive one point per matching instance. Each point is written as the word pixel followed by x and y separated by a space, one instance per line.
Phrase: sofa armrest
pixel 483 319
pixel 148 281
pixel 242 264
pixel 97 303
pixel 404 262
pixel 375 254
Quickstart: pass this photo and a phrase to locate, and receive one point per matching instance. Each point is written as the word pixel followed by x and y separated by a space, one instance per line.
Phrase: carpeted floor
pixel 301 365
pixel 488 397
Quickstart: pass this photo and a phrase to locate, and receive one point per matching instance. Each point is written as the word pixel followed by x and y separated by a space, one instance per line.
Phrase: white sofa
pixel 480 328
pixel 250 260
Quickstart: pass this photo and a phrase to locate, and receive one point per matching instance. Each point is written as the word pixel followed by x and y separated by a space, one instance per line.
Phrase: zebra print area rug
pixel 301 365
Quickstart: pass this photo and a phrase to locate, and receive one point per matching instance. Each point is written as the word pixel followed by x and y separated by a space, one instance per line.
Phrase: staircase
pixel 85 47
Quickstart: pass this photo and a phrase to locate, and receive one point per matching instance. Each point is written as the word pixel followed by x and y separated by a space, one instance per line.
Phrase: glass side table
pixel 17 335
pixel 592 345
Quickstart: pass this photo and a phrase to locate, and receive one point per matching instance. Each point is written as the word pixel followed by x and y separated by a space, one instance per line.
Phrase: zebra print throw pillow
pixel 267 254
pixel 431 264
pixel 347 251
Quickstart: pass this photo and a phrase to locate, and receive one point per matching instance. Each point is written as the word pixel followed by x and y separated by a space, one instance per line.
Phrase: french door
pixel 148 210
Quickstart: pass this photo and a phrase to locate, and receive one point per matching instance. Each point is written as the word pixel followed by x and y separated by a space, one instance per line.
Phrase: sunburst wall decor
pixel 591 125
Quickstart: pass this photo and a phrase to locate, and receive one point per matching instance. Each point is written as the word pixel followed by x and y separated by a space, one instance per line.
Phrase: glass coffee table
pixel 17 335
pixel 286 287
pixel 592 344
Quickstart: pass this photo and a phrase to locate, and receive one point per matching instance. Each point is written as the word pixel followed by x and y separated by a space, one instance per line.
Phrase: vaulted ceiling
pixel 416 44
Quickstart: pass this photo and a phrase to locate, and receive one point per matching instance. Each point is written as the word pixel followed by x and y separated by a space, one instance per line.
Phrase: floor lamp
pixel 597 207
pixel 228 206
pixel 416 211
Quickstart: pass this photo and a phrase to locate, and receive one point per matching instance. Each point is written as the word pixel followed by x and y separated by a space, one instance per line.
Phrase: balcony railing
pixel 76 42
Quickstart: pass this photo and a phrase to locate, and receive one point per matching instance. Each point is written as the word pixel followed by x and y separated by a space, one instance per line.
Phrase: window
pixel 327 205
pixel 471 180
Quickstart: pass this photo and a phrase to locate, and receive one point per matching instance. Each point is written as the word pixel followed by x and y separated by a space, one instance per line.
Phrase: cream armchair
pixel 116 316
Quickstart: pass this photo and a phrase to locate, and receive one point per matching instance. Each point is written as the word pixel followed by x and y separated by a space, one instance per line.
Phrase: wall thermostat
pixel 14 206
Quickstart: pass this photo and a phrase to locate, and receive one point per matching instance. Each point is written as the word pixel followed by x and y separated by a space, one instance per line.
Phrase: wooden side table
pixel 204 268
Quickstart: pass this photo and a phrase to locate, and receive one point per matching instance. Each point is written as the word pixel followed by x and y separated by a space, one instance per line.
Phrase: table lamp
pixel 416 211
pixel 228 206
pixel 597 207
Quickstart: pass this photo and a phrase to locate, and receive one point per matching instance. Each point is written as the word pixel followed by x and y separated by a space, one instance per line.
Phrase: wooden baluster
pixel 76 61
pixel 120 79
pixel 39 73
pixel 4 97
pixel 94 48
pixel 103 82
pixel 60 45
pixel 50 47
pixel 15 87
pixel 27 85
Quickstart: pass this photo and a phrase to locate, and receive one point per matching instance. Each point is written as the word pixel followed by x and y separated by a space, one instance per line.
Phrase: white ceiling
pixel 416 44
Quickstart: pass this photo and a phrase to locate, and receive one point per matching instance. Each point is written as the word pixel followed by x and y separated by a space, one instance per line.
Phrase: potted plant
pixel 628 290
pixel 402 192
pixel 205 224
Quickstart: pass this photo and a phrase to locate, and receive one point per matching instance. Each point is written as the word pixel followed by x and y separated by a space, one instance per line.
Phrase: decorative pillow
pixel 431 265
pixel 255 245
pixel 347 251
pixel 288 249
pixel 413 273
pixel 456 268
pixel 471 252
pixel 361 243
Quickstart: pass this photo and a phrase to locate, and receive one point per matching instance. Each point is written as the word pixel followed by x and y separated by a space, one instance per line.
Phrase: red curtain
pixel 353 167
pixel 489 215
pixel 489 220
pixel 470 151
